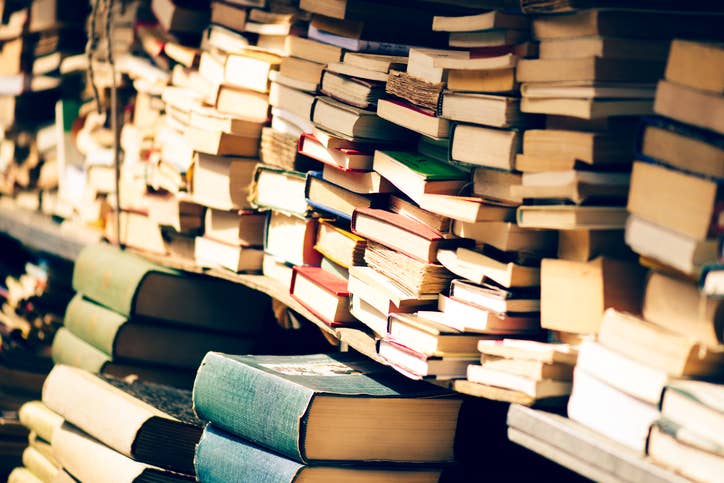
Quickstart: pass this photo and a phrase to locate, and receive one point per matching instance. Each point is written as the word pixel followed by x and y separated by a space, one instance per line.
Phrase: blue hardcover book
pixel 224 458
pixel 327 408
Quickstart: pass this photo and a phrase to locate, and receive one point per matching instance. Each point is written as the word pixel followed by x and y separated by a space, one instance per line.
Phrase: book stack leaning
pixel 319 418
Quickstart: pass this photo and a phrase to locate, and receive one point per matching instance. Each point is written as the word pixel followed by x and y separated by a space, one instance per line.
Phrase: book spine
pixel 93 323
pixel 110 277
pixel 251 403
pixel 222 457
pixel 71 350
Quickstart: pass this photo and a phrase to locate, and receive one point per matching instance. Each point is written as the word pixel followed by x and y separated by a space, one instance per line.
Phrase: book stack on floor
pixel 39 458
pixel 107 429
pixel 36 37
pixel 382 422
pixel 132 317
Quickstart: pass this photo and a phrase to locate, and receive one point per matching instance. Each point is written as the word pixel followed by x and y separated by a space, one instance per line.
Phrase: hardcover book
pixel 351 388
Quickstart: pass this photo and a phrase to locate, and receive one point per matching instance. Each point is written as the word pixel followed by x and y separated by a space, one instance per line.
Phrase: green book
pixel 327 408
pixel 426 167
pixel 71 350
pixel 133 286
pixel 144 342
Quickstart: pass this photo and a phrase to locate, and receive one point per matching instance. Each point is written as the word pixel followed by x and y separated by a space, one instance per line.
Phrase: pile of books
pixel 132 317
pixel 272 415
pixel 36 37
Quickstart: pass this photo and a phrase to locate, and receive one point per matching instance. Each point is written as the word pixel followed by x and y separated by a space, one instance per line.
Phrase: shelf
pixel 39 232
pixel 581 449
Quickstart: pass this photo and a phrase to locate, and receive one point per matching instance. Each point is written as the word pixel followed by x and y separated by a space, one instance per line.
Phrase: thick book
pixel 87 459
pixel 468 317
pixel 250 68
pixel 222 456
pixel 401 233
pixel 222 182
pixel 291 238
pixel 327 197
pixel 413 118
pixel 483 21
pixel 470 209
pixel 485 146
pixel 339 245
pixel 480 267
pixel 149 423
pixel 133 286
pixel 495 111
pixel 671 446
pixel 576 186
pixel 696 407
pixel 383 294
pixel 280 189
pixel 143 342
pixel 324 294
pixel 569 147
pixel 691 106
pixel 537 389
pixel 351 90
pixel 290 414
pixel 697 65
pixel 337 117
pixel 417 175
pixel 589 69
pixel 210 252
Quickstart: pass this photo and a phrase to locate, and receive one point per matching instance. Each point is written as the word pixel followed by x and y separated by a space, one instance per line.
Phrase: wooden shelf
pixel 39 232
pixel 580 449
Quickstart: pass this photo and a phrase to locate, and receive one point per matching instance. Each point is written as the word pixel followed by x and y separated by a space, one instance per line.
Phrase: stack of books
pixel 274 419
pixel 39 458
pixel 522 372
pixel 36 37
pixel 97 425
pixel 132 317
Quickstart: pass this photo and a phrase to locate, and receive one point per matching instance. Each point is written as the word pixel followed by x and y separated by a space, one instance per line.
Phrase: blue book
pixel 327 408
pixel 222 458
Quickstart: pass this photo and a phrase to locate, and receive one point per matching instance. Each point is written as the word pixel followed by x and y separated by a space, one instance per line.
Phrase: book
pixel 244 103
pixel 496 184
pixel 351 90
pixel 242 228
pixel 658 347
pixel 587 89
pixel 291 238
pixel 313 50
pixel 547 353
pixel 417 365
pixel 228 15
pixel 350 386
pixel 293 101
pixel 483 21
pixel 362 182
pixel 626 419
pixel 142 342
pixel 489 110
pixel 630 376
pixel 679 252
pixel 691 106
pixel 410 209
pixel 374 320
pixel 329 198
pixel 214 120
pixel 219 143
pixel 576 186
pixel 324 294
pixel 361 73
pixel 221 456
pixel 618 23
pixel 428 336
pixel 491 297
pixel 40 419
pixel 209 252
pixel 562 217
pixel 71 350
pixel 481 267
pixel 587 108
pixel 667 448
pixel 485 146
pixel 180 17
pixel 678 305
pixel 697 65
pixel 601 283
pixel 417 175
pixel 650 198
pixel 250 69
pixel 414 91
pixel 529 369
pixel 271 181
pixel 413 118
pixel 133 286
pixel 400 233
pixel 469 209
pixel 337 117
pixel 507 236
pixel 589 69
pixel 342 158
pixel 585 245
pixel 537 389
pixel 572 147
pixel 222 182
pixel 501 80
pixel 468 317
pixel 604 46
pixel 682 146
pixel 375 62
pixel 695 407
pixel 383 294
pixel 158 427
pixel 339 245
pixel 72 447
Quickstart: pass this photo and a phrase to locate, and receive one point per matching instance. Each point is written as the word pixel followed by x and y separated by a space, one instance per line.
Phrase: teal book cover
pixel 266 399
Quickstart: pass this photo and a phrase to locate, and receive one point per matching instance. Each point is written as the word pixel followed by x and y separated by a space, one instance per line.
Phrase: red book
pixel 403 234
pixel 323 294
